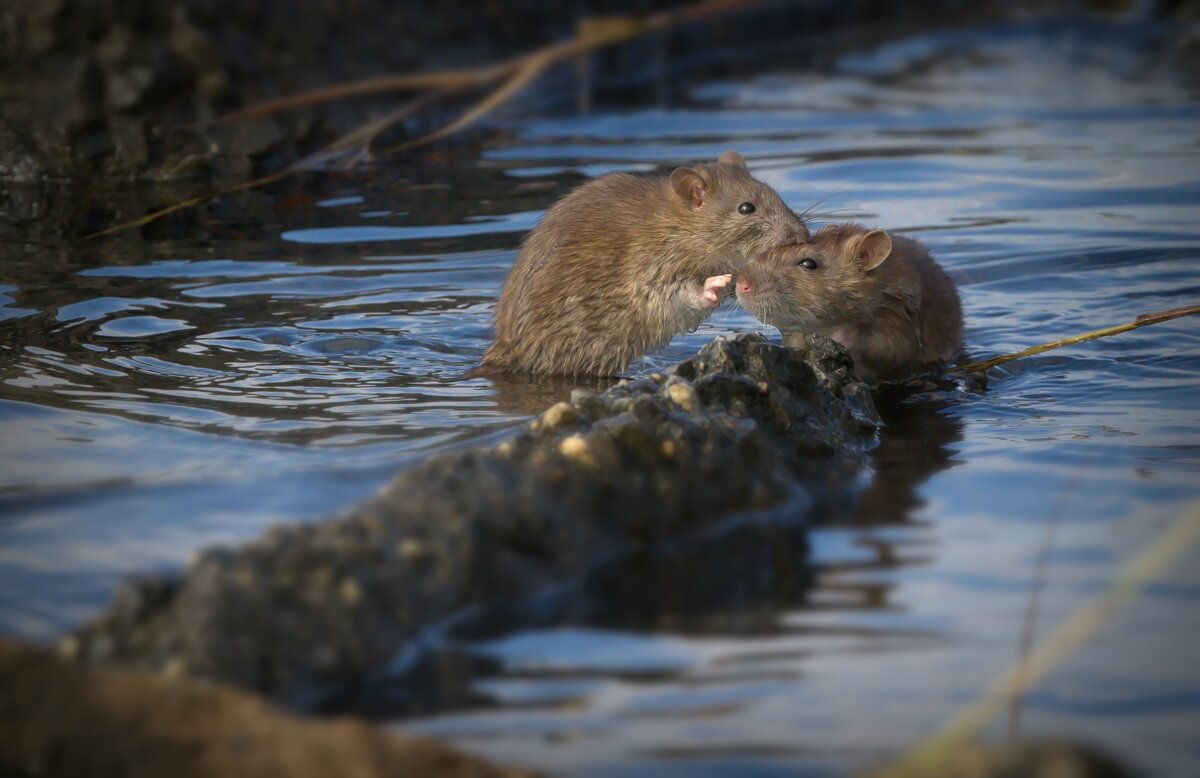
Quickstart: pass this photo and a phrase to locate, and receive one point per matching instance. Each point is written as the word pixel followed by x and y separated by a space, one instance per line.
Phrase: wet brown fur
pixel 616 267
pixel 896 317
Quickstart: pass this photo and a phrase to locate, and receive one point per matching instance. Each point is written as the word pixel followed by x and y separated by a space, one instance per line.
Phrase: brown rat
pixel 624 262
pixel 881 296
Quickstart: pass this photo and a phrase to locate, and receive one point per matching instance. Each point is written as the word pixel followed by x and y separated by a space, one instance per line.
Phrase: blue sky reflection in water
pixel 199 395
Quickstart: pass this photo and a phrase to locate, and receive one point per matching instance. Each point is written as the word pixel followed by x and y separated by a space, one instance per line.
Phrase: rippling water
pixel 158 397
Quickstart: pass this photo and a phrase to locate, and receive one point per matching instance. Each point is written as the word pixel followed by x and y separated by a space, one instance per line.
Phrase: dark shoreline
pixel 101 90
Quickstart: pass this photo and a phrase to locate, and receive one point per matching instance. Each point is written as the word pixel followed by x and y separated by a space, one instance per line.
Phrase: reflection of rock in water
pixel 740 581
pixel 733 582
pixel 915 443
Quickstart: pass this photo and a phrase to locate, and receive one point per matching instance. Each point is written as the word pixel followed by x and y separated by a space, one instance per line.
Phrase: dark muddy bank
pixel 111 91
pixel 59 719
pixel 743 430
pixel 93 89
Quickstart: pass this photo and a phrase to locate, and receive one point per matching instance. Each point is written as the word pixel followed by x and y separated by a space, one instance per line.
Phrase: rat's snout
pixel 748 289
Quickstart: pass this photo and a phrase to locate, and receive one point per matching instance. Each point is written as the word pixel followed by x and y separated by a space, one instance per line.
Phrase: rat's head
pixel 831 280
pixel 735 214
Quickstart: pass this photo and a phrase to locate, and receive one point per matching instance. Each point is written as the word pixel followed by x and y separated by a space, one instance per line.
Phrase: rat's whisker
pixel 834 212
pixel 825 199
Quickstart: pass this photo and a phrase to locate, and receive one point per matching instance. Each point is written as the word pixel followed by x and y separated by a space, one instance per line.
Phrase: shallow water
pixel 159 397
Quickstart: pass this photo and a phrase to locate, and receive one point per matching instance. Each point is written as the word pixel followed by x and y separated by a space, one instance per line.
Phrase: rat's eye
pixel 807 264
pixel 746 208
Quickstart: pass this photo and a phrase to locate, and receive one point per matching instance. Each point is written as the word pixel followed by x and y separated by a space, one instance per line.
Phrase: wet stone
pixel 559 415
pixel 683 395
pixel 576 449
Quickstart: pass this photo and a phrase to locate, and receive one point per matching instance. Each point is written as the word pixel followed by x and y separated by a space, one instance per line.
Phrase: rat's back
pixel 560 298
pixel 941 317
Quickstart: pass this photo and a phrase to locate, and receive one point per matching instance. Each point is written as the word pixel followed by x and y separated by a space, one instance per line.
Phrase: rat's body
pixel 625 262
pixel 882 297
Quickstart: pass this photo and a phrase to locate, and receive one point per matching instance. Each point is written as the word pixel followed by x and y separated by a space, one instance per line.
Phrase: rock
pixel 57 718
pixel 576 449
pixel 195 50
pixel 18 162
pixel 683 395
pixel 248 139
pixel 744 427
pixel 559 415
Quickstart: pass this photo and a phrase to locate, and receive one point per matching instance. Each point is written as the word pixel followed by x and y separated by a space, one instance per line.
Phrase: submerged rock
pixel 743 429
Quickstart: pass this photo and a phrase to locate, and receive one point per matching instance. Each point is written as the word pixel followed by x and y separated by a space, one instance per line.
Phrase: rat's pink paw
pixel 712 289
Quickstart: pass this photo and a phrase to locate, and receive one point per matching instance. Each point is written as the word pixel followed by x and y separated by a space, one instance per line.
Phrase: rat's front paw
pixel 712 290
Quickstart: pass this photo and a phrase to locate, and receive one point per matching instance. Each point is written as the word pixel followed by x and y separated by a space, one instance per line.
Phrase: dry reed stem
pixel 1144 320
pixel 592 34
pixel 1154 560
pixel 406 82
pixel 188 203
pixel 495 99
pixel 1029 623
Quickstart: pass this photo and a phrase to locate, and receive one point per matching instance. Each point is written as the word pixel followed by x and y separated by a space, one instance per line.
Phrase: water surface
pixel 157 397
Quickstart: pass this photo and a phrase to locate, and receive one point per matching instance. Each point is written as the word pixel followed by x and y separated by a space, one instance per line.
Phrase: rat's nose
pixel 743 284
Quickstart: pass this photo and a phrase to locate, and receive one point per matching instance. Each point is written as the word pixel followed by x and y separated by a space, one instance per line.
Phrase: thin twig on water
pixel 1144 320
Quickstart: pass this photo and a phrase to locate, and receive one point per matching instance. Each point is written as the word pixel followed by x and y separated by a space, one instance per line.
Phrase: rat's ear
pixel 689 187
pixel 873 248
pixel 731 157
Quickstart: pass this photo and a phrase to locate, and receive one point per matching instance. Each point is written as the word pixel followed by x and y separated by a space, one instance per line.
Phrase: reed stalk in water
pixel 1155 559
pixel 1144 320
